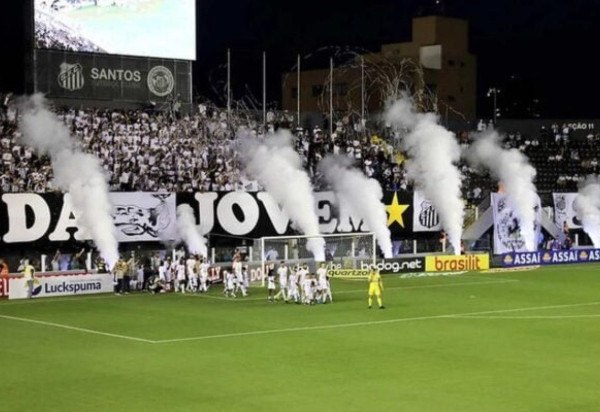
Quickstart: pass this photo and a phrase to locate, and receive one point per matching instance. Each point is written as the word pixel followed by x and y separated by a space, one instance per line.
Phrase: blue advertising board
pixel 550 257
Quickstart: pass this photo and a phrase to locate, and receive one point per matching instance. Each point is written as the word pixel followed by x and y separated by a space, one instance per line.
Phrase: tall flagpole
pixel 298 92
pixel 362 91
pixel 228 84
pixel 264 81
pixel 330 96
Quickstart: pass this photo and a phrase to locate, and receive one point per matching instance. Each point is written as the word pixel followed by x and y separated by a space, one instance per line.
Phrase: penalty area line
pixel 74 328
pixel 369 323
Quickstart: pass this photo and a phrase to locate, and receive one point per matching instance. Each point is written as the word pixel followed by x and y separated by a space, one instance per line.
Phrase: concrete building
pixel 439 50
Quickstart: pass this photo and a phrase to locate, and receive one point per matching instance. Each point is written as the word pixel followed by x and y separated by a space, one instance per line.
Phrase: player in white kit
pixel 282 273
pixel 302 274
pixel 168 271
pixel 237 272
pixel 308 290
pixel 180 276
pixel 323 286
pixel 192 274
pixel 229 284
pixel 293 293
pixel 204 266
pixel 162 271
pixel 246 278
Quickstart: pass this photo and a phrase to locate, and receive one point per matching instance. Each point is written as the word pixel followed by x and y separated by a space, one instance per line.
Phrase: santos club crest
pixel 71 76
pixel 425 216
pixel 160 81
pixel 428 216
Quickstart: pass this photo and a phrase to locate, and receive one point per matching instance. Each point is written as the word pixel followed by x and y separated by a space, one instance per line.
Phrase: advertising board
pixel 398 265
pixel 103 77
pixel 61 285
pixel 550 257
pixel 455 263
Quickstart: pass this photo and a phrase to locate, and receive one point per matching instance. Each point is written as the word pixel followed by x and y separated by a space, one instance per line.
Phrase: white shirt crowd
pixel 152 152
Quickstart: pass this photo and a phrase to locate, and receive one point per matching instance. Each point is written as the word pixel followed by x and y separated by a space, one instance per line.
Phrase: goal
pixel 342 251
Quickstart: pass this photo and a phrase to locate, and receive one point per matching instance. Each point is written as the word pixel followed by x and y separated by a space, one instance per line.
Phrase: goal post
pixel 343 251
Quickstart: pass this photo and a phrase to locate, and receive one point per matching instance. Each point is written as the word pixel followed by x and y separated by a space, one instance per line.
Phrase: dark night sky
pixel 548 47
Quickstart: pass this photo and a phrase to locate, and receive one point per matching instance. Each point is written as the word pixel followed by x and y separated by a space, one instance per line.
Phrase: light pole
pixel 494 92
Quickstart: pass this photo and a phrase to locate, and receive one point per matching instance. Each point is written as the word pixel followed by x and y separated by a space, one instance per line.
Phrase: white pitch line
pixel 91 331
pixel 468 315
pixel 202 295
pixel 529 317
pixel 69 299
pixel 368 323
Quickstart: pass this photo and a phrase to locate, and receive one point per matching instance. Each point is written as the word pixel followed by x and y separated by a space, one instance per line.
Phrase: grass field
pixel 512 341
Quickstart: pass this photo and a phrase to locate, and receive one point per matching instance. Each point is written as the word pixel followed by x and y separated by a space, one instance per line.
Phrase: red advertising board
pixel 3 287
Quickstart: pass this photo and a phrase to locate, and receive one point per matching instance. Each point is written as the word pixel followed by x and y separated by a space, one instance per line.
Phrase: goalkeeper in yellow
pixel 375 288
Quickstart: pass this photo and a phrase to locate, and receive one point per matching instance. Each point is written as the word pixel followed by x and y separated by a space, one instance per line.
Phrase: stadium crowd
pixel 150 152
pixel 143 151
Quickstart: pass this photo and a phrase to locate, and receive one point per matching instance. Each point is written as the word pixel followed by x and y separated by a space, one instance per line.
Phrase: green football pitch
pixel 507 341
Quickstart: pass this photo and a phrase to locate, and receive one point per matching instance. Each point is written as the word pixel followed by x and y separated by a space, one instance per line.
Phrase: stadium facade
pixel 440 46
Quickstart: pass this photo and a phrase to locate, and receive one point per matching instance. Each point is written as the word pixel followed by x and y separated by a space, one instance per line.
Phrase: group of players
pixel 237 280
pixel 298 285
pixel 191 276
pixel 290 284
pixel 183 275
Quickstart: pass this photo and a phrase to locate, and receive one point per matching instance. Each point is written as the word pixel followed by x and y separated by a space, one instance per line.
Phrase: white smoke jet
pixel 189 232
pixel 275 164
pixel 587 207
pixel 361 194
pixel 512 169
pixel 78 173
pixel 433 153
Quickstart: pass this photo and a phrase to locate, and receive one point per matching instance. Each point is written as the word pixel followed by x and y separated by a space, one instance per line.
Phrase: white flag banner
pixel 143 216
pixel 507 226
pixel 564 211
pixel 425 216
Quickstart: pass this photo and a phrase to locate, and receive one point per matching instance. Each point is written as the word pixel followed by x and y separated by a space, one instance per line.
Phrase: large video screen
pixel 151 28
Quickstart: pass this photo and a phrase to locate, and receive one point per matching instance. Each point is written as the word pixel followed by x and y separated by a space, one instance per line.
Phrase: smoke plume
pixel 189 232
pixel 512 169
pixel 275 164
pixel 78 173
pixel 587 207
pixel 433 153
pixel 362 195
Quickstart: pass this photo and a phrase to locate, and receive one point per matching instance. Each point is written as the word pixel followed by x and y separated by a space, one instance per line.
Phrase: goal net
pixel 343 251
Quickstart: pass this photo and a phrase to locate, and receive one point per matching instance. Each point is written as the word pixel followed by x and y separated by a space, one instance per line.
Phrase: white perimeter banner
pixel 62 285
pixel 564 211
pixel 144 216
pixel 507 226
pixel 425 216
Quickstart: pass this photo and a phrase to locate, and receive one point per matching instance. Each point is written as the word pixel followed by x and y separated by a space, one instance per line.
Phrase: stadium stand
pixel 150 152
pixel 143 151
